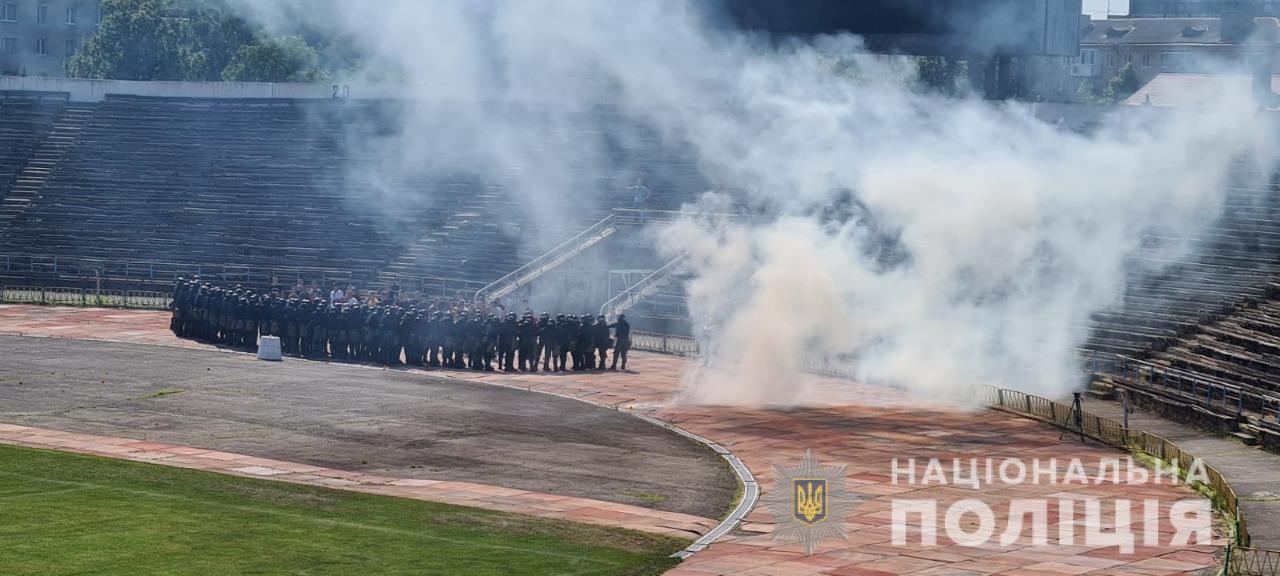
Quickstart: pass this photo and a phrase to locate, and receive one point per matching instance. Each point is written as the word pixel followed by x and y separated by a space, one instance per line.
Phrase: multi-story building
pixel 1156 45
pixel 1201 8
pixel 38 36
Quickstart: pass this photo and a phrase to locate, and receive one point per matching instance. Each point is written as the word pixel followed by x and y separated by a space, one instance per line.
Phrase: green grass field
pixel 70 514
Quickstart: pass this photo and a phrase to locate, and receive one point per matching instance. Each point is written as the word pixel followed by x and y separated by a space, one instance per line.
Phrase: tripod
pixel 1076 417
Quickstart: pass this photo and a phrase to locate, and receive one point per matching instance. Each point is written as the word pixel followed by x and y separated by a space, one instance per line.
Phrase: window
pixel 71 15
pixel 1088 56
pixel 1146 60
pixel 42 14
pixel 1111 59
pixel 72 45
pixel 10 12
pixel 1128 58
pixel 42 46
pixel 9 45
pixel 1176 60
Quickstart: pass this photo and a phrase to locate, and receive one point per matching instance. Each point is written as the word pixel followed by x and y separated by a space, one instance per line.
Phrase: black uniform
pixel 546 342
pixel 507 334
pixel 600 339
pixel 622 339
pixel 583 347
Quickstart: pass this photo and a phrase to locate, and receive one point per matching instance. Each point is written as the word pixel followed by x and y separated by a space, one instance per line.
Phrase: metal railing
pixel 1197 388
pixel 664 344
pixel 641 217
pixel 428 287
pixel 628 298
pixel 88 298
pixel 90 269
pixel 548 260
pixel 1244 561
pixel 1239 559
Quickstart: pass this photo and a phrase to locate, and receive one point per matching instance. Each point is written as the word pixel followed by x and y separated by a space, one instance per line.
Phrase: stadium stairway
pixel 37 135
pixel 31 180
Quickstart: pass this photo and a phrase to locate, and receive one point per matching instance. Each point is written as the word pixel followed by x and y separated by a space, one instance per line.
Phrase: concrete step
pixel 1247 439
pixel 1100 393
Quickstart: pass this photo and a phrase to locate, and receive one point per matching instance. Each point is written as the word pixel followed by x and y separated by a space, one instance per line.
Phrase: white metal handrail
pixel 646 286
pixel 550 259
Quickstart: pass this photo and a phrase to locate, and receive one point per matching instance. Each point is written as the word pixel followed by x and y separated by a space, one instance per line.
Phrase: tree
pixel 199 40
pixel 288 59
pixel 1086 93
pixel 217 33
pixel 1123 85
pixel 137 40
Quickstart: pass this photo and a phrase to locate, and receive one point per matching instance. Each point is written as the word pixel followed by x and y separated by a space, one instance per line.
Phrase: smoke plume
pixel 930 242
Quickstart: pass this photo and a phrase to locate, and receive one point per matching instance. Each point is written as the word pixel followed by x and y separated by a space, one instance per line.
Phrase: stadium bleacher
pixel 213 184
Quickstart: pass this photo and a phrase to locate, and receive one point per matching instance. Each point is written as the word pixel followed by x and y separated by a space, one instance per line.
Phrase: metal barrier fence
pixel 84 298
pixel 90 269
pixel 1239 558
pixel 1253 562
pixel 664 344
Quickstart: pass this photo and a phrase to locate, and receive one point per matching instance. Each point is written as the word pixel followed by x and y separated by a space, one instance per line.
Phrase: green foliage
pixel 1120 87
pixel 1086 93
pixel 71 514
pixel 195 40
pixel 288 59
pixel 136 41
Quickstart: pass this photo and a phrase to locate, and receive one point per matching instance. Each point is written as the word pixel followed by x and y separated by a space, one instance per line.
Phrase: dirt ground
pixel 349 417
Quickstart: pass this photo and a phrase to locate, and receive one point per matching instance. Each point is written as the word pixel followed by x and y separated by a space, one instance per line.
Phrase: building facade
pixel 1201 8
pixel 38 36
pixel 1152 46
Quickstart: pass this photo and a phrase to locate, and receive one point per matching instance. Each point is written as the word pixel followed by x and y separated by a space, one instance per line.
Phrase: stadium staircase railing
pixel 628 298
pixel 593 235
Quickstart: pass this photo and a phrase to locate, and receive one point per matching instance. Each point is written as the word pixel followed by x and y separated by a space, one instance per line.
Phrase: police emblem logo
pixel 809 502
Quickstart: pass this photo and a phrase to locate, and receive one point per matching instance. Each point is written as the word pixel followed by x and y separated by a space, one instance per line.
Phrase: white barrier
pixel 269 349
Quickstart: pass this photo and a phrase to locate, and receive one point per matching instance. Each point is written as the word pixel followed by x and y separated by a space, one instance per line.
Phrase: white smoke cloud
pixel 977 240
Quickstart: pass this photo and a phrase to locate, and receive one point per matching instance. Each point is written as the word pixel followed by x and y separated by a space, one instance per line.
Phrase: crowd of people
pixel 384 330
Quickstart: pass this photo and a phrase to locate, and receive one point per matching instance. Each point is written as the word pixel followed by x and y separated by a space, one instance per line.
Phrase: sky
pixel 1098 8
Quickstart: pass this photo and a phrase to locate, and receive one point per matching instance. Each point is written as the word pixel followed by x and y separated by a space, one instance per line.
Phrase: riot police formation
pixel 457 337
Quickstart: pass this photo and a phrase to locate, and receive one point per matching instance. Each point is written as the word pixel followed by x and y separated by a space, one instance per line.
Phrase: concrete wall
pixel 97 90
